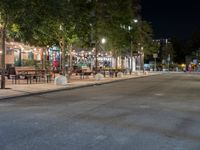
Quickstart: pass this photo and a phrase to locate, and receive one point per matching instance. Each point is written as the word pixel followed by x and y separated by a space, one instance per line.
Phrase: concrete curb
pixel 72 88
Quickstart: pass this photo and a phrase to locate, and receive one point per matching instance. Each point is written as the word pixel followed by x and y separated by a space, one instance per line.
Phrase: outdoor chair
pixel 15 79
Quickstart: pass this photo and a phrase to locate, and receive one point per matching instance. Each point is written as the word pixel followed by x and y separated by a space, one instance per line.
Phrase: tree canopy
pixel 81 22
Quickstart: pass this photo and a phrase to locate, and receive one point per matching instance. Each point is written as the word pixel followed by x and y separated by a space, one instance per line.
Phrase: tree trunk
pixel 96 58
pixel 122 62
pixel 70 63
pixel 3 38
pixel 116 61
pixel 42 58
pixel 131 58
pixel 62 64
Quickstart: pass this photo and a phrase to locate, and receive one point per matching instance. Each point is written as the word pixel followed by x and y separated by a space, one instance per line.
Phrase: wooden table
pixel 30 74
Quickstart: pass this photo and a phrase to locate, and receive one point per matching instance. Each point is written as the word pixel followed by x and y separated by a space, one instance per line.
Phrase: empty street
pixel 160 112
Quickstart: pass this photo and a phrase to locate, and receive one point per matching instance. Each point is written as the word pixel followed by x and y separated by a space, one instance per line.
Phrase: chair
pixel 15 79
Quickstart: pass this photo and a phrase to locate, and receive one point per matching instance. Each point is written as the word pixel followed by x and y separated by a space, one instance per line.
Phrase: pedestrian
pixel 190 68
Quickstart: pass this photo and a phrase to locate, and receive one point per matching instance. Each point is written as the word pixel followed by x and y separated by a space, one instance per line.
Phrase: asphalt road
pixel 153 113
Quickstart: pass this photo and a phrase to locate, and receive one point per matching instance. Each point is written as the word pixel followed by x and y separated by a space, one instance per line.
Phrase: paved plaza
pixel 22 88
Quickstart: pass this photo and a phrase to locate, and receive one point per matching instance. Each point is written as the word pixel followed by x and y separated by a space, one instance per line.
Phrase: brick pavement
pixel 15 90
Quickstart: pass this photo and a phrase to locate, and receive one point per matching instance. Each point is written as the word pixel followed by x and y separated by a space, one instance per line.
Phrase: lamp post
pixel 142 59
pixel 141 54
pixel 131 69
pixel 103 41
pixel 131 44
pixel 155 55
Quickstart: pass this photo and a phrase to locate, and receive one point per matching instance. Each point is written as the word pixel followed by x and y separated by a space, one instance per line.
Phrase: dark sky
pixel 172 18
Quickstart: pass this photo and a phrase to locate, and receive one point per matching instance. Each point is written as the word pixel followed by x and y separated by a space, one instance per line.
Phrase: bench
pixel 86 71
pixel 28 73
pixel 6 73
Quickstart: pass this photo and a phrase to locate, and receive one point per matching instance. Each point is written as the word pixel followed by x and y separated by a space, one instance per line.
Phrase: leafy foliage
pixel 83 23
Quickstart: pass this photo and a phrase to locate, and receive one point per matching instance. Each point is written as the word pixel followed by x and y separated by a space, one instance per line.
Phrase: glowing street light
pixel 131 43
pixel 135 20
pixel 103 40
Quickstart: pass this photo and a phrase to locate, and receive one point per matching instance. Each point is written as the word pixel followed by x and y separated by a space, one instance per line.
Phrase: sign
pixel 155 55
pixel 195 61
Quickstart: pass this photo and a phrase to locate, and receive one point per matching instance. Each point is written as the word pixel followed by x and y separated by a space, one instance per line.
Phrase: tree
pixel 117 18
pixel 68 22
pixel 63 28
pixel 9 11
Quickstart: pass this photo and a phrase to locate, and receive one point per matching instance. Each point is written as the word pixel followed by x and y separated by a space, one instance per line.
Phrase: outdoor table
pixel 85 73
pixel 30 71
pixel 31 74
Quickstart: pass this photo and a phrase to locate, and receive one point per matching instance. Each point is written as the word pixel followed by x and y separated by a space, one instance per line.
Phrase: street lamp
pixel 142 58
pixel 140 54
pixel 129 28
pixel 131 43
pixel 103 41
pixel 135 20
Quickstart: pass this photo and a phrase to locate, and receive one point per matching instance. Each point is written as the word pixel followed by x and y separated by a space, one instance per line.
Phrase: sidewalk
pixel 16 90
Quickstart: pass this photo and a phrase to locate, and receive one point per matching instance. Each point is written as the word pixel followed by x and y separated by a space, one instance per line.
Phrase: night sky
pixel 172 18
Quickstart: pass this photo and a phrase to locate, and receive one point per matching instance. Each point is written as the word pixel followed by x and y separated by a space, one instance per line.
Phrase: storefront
pixel 54 57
